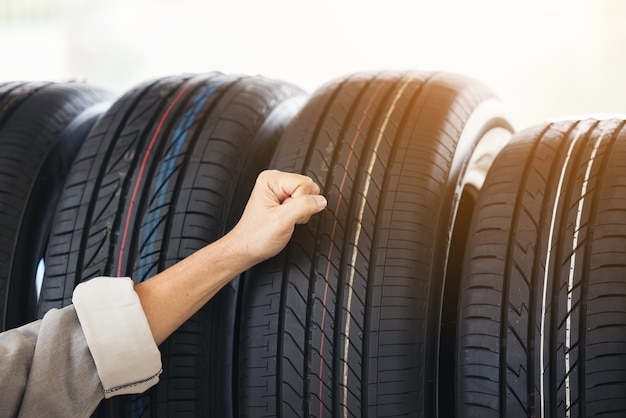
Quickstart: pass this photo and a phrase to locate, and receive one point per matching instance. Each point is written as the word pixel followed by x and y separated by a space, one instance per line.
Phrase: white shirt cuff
pixel 118 335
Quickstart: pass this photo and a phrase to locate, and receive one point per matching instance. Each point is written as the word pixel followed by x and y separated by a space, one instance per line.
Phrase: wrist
pixel 236 251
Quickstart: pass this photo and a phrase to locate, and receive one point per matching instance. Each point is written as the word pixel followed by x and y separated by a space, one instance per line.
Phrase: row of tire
pixel 459 270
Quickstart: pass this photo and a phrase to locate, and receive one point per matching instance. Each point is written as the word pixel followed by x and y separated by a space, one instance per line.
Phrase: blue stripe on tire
pixel 164 175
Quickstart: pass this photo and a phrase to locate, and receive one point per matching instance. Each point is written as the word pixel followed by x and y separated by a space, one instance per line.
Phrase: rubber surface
pixel 345 322
pixel 165 172
pixel 541 324
pixel 41 128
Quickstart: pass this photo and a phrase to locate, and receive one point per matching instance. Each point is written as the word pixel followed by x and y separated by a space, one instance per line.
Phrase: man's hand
pixel 278 202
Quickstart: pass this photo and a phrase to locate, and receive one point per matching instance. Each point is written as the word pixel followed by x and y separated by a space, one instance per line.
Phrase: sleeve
pixel 64 364
pixel 47 369
pixel 118 335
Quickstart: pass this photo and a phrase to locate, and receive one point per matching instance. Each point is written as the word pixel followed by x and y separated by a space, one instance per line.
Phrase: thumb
pixel 298 210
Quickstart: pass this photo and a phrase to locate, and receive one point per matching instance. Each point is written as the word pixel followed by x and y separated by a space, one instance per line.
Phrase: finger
pixel 277 185
pixel 315 188
pixel 298 210
pixel 306 187
pixel 285 185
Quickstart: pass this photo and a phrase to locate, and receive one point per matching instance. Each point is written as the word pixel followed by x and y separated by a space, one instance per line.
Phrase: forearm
pixel 174 295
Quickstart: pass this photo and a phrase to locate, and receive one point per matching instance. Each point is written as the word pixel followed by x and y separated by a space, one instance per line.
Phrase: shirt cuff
pixel 118 335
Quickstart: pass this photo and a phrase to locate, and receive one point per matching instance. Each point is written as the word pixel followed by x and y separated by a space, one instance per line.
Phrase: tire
pixel 41 128
pixel 165 172
pixel 541 316
pixel 12 94
pixel 345 321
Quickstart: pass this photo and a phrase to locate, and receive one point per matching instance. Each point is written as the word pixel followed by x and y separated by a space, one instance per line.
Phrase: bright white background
pixel 545 59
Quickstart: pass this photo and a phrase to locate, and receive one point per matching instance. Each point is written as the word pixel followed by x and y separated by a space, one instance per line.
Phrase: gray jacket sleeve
pixel 64 364
pixel 47 370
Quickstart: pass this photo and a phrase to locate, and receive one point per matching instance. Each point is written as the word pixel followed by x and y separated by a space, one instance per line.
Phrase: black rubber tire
pixel 12 94
pixel 391 153
pixel 165 172
pixel 41 128
pixel 549 223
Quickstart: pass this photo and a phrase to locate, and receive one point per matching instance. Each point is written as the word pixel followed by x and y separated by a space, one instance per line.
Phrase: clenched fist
pixel 278 202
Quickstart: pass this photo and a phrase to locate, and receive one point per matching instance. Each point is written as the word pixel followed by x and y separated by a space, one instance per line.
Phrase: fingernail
pixel 321 201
